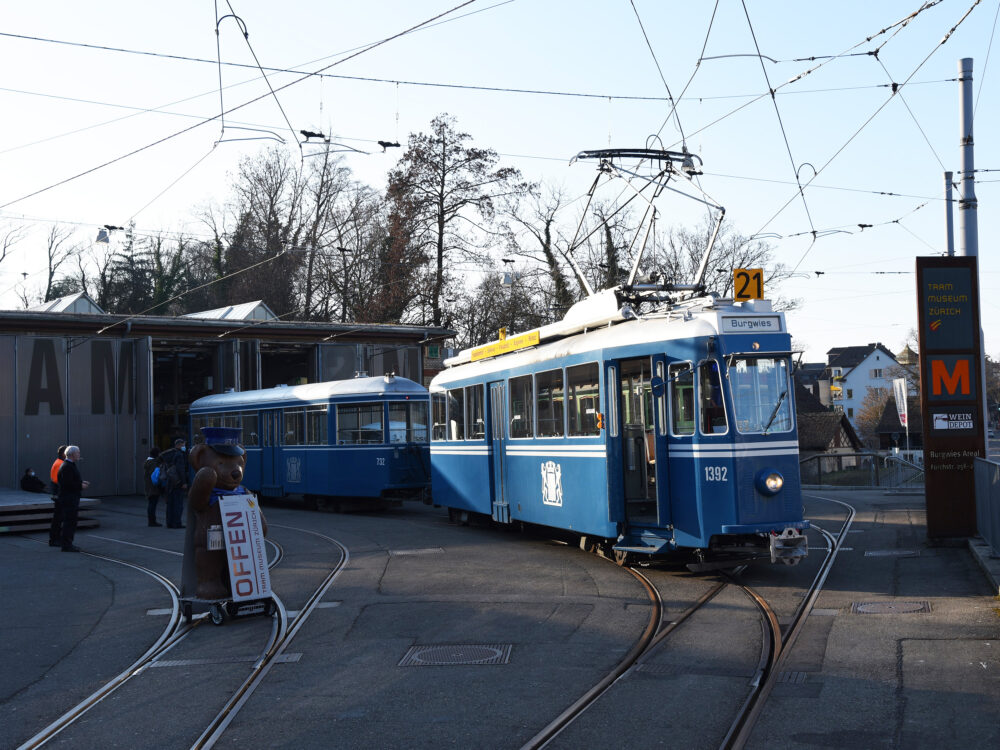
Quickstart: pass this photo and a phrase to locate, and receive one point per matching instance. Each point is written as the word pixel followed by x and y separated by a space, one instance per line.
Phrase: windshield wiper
pixel 774 413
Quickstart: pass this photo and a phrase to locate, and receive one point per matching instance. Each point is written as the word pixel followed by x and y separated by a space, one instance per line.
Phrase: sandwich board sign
pixel 243 533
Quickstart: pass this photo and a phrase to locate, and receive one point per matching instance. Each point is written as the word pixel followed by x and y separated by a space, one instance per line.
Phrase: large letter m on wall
pixel 956 381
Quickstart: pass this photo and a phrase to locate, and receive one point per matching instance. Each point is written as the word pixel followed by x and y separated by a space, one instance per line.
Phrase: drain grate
pixel 793 678
pixel 889 608
pixel 456 655
pixel 406 552
pixel 280 659
pixel 892 553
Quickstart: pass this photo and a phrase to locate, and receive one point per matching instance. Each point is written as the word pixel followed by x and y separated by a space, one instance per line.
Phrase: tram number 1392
pixel 716 474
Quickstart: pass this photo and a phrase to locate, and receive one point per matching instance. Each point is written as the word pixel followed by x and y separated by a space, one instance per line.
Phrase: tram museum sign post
pixel 951 391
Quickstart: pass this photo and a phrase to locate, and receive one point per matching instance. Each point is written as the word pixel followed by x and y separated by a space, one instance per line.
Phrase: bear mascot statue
pixel 218 463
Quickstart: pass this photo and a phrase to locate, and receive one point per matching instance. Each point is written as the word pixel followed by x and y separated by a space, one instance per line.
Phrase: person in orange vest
pixel 55 531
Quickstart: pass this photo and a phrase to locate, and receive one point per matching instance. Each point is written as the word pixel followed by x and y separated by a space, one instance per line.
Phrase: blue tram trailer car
pixel 653 433
pixel 364 438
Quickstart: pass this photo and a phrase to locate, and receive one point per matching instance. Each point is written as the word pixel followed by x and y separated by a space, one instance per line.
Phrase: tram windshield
pixel 761 396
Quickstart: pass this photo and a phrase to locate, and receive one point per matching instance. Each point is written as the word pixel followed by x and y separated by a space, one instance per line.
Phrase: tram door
pixel 498 422
pixel 270 440
pixel 635 405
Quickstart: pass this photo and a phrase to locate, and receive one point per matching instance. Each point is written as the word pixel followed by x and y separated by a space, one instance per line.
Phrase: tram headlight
pixel 769 482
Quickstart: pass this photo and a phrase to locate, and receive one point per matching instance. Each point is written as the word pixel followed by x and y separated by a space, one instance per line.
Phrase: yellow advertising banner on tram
pixel 507 345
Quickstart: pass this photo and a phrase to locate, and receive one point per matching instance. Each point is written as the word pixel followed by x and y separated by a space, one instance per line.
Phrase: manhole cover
pixel 889 608
pixel 452 655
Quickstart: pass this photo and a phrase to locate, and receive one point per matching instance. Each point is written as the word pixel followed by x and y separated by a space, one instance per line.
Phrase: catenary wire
pixel 777 112
pixel 899 93
pixel 246 37
pixel 986 63
pixel 839 151
pixel 697 67
pixel 670 96
pixel 181 177
pixel 233 109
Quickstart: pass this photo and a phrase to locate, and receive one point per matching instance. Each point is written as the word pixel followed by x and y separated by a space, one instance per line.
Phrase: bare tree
pixel 58 252
pixel 440 192
pixel 537 215
pixel 11 236
pixel 869 414
pixel 491 305
pixel 678 254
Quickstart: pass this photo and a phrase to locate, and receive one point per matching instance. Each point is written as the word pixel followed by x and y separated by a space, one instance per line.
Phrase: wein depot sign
pixel 951 397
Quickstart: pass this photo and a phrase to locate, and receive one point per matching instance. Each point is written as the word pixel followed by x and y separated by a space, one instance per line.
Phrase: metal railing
pixel 988 502
pixel 861 471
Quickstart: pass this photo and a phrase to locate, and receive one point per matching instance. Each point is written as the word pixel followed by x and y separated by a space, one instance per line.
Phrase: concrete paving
pixel 902 650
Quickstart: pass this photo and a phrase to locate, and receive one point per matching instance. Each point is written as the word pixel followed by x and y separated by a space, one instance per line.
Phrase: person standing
pixel 54 529
pixel 152 491
pixel 71 485
pixel 174 463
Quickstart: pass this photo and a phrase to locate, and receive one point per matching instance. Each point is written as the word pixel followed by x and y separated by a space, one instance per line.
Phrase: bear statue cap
pixel 224 440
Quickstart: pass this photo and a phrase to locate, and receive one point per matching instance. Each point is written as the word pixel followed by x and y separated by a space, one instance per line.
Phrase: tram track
pixel 215 729
pixel 656 631
pixel 172 634
pixel 282 633
pixel 775 644
pixel 782 642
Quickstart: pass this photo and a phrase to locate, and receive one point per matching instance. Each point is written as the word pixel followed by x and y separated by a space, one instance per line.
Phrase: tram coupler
pixel 788 547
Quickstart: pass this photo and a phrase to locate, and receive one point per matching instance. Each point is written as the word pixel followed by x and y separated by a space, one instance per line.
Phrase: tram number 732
pixel 716 474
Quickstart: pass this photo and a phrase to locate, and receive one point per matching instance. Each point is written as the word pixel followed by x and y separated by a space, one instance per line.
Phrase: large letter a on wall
pixel 43 379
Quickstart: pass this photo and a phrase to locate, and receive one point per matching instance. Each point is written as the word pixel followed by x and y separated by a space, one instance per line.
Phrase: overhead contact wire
pixel 781 124
pixel 233 109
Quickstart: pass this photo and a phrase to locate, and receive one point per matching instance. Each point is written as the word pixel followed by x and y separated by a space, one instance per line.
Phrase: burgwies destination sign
pixel 751 324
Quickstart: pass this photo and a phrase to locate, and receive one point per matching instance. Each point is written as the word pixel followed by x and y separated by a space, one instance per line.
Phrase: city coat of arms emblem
pixel 552 483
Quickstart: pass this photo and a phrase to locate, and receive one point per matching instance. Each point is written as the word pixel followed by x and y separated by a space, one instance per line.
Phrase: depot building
pixel 115 385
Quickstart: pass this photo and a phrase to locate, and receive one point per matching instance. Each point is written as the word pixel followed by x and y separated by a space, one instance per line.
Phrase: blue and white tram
pixel 352 439
pixel 672 430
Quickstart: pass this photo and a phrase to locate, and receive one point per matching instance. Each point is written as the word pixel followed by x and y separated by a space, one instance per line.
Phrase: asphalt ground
pixel 902 649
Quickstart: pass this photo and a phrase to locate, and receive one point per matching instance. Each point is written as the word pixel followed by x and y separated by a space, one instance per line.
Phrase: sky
pixel 94 133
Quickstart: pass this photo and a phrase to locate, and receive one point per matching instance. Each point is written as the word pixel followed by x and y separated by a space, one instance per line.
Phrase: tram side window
pixel 549 387
pixel 681 378
pixel 713 408
pixel 407 422
pixel 213 420
pixel 248 420
pixel 456 414
pixel 359 424
pixel 584 399
pixel 315 424
pixel 521 402
pixel 295 427
pixel 201 420
pixel 475 402
pixel 438 415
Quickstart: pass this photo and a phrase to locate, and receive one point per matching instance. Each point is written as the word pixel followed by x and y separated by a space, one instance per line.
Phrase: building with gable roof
pixel 849 372
pixel 118 384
